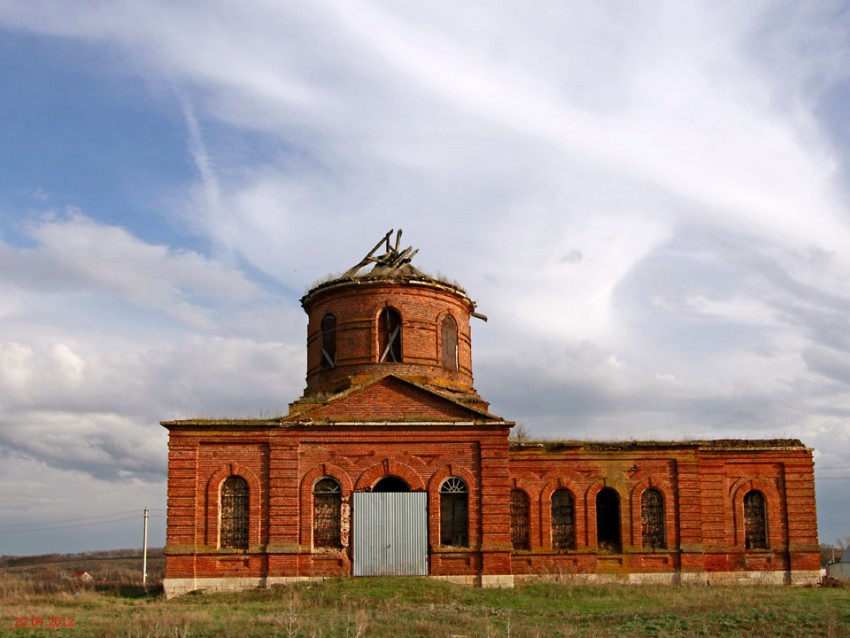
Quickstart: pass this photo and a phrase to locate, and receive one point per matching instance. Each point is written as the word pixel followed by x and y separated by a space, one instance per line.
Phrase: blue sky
pixel 650 202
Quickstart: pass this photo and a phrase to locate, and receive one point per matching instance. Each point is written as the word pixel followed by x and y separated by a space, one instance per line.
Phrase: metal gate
pixel 390 533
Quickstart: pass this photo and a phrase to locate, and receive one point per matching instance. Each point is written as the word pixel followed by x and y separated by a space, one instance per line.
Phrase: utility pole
pixel 145 552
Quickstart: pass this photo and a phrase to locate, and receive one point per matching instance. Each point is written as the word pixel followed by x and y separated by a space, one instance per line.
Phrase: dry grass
pixel 400 607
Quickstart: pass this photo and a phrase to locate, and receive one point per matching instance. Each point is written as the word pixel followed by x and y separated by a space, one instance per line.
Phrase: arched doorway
pixel 390 529
pixel 391 484
pixel 608 521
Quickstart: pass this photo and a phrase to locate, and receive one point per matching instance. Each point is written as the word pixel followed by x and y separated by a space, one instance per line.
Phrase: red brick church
pixel 392 464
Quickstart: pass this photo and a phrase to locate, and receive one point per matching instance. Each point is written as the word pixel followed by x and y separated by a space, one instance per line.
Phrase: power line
pixel 57 527
pixel 68 520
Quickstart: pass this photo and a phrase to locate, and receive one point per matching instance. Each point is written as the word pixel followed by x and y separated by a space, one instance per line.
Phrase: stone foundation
pixel 802 578
pixel 181 586
pixel 671 578
pixel 496 581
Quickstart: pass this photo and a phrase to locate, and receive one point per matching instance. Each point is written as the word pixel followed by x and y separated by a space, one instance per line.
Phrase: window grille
pixel 563 520
pixel 234 513
pixel 328 342
pixel 755 520
pixel 454 513
pixel 389 336
pixel 327 509
pixel 608 520
pixel 519 519
pixel 449 340
pixel 652 519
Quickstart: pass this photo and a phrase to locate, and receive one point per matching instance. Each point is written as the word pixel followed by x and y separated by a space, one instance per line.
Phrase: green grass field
pixel 399 607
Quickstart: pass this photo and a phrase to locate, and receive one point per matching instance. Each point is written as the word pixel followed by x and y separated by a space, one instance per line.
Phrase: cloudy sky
pixel 651 202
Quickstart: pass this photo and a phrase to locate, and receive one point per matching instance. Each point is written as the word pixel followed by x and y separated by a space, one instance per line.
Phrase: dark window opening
pixel 389 336
pixel 608 521
pixel 454 513
pixel 652 519
pixel 391 484
pixel 328 342
pixel 563 520
pixel 449 341
pixel 234 513
pixel 755 520
pixel 520 536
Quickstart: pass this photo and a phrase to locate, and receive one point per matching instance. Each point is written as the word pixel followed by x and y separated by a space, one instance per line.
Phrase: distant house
pixel 841 569
pixel 84 577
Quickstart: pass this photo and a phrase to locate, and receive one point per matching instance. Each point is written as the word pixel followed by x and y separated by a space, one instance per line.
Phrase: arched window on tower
pixel 755 520
pixel 563 520
pixel 328 342
pixel 454 513
pixel 520 520
pixel 234 513
pixel 449 341
pixel 389 336
pixel 652 519
pixel 327 509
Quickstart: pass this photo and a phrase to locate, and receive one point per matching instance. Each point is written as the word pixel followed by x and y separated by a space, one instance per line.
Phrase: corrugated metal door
pixel 390 533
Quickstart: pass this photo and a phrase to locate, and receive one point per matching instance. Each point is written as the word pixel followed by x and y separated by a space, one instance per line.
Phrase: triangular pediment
pixel 392 399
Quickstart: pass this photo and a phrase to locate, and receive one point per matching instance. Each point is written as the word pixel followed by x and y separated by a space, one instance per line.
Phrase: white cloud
pixel 647 202
pixel 94 355
pixel 15 361
pixel 68 510
pixel 76 254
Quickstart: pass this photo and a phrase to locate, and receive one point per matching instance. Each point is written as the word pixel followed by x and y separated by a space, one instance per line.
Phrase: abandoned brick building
pixel 391 463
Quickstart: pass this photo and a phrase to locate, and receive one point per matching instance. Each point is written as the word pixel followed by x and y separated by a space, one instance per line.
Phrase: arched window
pixel 608 520
pixel 234 513
pixel 328 342
pixel 389 336
pixel 519 520
pixel 563 520
pixel 652 519
pixel 454 513
pixel 449 341
pixel 327 506
pixel 755 520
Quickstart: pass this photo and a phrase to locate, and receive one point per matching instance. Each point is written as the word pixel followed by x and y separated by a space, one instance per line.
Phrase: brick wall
pixel 391 399
pixel 283 463
pixel 429 434
pixel 357 306
pixel 703 487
